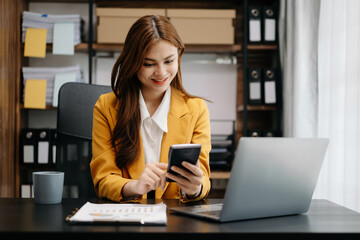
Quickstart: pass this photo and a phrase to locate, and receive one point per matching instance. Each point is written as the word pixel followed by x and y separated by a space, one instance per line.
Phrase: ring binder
pixel 269 86
pixel 254 133
pixel 43 146
pixel 28 145
pixel 254 81
pixel 53 142
pixel 269 25
pixel 271 133
pixel 254 25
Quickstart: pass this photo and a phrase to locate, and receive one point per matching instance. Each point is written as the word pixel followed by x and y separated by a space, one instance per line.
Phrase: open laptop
pixel 270 177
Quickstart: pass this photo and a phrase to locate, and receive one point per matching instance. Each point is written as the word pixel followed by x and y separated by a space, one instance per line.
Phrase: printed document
pixel 153 214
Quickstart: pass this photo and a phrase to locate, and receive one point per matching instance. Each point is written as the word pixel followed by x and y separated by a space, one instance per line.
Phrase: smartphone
pixel 182 152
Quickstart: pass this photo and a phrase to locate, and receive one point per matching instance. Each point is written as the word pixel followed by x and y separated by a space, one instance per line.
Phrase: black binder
pixel 254 133
pixel 254 24
pixel 271 133
pixel 269 86
pixel 28 146
pixel 269 25
pixel 254 86
pixel 53 142
pixel 43 144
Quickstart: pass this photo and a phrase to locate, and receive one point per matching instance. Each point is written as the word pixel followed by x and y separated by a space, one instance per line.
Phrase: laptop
pixel 270 177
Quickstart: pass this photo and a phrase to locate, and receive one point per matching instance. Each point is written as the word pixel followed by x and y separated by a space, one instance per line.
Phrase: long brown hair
pixel 125 84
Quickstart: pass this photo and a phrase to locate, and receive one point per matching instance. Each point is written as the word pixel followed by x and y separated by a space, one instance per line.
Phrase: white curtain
pixel 298 49
pixel 322 90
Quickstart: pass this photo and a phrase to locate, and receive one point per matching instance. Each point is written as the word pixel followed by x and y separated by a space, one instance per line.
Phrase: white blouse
pixel 153 128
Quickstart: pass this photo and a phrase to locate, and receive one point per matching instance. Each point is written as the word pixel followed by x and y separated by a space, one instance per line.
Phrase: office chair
pixel 74 136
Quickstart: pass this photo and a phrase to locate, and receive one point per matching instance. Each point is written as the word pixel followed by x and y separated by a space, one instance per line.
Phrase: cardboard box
pixel 114 23
pixel 203 26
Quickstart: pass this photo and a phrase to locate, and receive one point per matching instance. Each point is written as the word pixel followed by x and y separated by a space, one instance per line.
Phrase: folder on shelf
pixel 254 25
pixel 63 38
pixel 61 79
pixel 28 143
pixel 35 43
pixel 254 86
pixel 35 93
pixel 43 141
pixel 269 85
pixel 269 25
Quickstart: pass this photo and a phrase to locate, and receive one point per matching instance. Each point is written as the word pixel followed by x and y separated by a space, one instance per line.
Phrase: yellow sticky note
pixel 35 42
pixel 35 93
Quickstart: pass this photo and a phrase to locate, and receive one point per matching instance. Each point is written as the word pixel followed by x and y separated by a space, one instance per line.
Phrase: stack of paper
pixel 47 21
pixel 54 77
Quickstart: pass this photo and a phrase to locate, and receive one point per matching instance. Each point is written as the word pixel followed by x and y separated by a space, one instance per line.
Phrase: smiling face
pixel 159 68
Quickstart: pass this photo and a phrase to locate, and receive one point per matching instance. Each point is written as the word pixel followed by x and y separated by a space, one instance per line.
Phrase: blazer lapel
pixel 178 128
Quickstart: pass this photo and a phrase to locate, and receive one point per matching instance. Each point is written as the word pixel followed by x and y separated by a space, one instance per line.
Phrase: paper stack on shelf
pixel 49 74
pixel 47 21
pixel 222 144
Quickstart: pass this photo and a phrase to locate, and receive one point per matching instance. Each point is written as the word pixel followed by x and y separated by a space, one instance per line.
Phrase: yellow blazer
pixel 188 122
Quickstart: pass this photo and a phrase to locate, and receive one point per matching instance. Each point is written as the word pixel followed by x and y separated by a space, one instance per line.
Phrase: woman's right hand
pixel 151 178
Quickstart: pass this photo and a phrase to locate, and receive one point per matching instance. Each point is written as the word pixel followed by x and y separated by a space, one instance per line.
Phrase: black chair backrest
pixel 76 106
pixel 74 134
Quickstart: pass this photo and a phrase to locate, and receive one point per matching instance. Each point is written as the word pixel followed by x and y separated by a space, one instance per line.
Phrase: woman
pixel 149 110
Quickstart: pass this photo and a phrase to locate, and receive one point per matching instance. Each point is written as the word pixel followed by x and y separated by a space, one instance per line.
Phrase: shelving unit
pixel 254 55
pixel 267 113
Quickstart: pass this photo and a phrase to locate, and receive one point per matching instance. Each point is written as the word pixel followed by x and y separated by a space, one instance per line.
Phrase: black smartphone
pixel 182 152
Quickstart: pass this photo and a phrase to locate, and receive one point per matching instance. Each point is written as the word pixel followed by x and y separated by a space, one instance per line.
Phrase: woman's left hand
pixel 191 180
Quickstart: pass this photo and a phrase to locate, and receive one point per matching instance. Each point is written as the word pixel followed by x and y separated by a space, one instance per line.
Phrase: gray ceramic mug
pixel 48 187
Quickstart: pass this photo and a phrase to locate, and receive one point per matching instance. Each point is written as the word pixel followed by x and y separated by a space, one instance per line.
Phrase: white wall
pixel 204 77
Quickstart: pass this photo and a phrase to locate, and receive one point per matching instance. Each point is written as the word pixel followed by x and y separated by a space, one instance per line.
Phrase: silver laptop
pixel 270 177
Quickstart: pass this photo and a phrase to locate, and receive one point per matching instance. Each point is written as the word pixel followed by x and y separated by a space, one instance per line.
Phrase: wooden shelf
pixel 48 107
pixel 61 1
pixel 189 48
pixel 216 174
pixel 193 48
pixel 262 47
pixel 81 47
pixel 257 108
pixel 108 47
